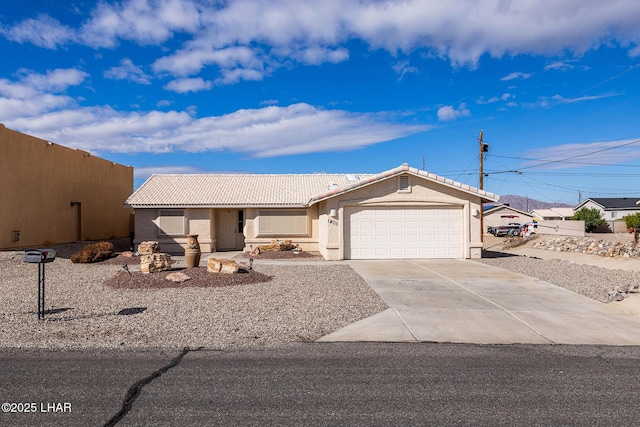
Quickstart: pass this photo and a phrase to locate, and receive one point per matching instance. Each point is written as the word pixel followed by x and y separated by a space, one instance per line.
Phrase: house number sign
pixel 333 221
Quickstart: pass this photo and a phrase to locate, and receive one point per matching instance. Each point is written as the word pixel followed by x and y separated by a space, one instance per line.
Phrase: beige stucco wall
pixel 204 222
pixel 197 221
pixel 561 228
pixel 306 243
pixel 38 182
pixel 424 193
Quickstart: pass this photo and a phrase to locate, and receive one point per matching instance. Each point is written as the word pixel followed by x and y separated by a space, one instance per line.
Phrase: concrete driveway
pixel 464 301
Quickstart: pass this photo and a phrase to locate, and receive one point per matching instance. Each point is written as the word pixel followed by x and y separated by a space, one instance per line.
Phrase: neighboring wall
pixel 617 226
pixel 561 228
pixel 54 194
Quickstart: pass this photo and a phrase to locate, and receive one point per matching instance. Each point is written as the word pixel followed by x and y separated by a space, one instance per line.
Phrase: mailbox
pixel 38 256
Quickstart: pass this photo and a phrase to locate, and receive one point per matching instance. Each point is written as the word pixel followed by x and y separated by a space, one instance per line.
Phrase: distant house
pixel 55 194
pixel 400 213
pixel 552 214
pixel 504 215
pixel 613 210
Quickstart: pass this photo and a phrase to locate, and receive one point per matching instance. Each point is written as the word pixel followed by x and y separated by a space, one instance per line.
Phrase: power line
pixel 636 141
pixel 576 163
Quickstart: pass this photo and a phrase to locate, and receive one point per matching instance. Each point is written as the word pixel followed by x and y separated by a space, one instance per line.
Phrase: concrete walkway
pixel 465 301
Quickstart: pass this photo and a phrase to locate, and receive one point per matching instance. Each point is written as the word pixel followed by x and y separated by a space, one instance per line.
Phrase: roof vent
pixel 403 183
pixel 332 186
pixel 352 178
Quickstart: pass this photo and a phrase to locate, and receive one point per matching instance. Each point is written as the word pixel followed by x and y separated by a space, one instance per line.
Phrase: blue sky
pixel 287 86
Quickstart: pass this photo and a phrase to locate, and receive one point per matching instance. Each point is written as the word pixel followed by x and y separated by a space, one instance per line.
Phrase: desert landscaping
pixel 279 297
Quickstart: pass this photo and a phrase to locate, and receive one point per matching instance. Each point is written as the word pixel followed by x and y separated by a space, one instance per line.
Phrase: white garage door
pixel 386 233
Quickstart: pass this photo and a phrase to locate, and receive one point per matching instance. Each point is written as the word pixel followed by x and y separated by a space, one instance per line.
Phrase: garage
pixel 403 232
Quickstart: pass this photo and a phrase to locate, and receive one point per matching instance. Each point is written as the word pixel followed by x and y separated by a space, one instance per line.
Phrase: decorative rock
pixel 177 277
pixel 276 246
pixel 127 254
pixel 155 262
pixel 148 247
pixel 255 251
pixel 222 266
pixel 590 246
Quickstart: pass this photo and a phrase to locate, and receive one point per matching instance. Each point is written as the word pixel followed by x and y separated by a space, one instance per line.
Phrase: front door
pixel 230 237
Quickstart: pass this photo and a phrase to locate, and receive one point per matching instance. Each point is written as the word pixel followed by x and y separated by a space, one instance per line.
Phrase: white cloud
pixel 188 85
pixel 319 55
pixel 402 68
pixel 36 93
pixel 559 65
pixel 142 21
pixel 504 97
pixel 317 32
pixel 448 112
pixel 264 132
pixel 42 31
pixel 635 52
pixel 235 63
pixel 562 100
pixel 146 172
pixel 127 70
pixel 516 75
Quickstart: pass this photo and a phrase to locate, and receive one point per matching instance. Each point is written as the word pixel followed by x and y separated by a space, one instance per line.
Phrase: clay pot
pixel 192 252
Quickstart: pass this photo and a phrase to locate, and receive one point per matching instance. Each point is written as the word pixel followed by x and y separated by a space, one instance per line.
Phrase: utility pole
pixel 484 148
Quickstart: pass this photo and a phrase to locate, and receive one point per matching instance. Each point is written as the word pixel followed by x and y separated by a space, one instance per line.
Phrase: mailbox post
pixel 40 257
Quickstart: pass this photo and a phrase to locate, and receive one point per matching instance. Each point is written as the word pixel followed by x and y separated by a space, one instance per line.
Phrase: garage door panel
pixel 403 233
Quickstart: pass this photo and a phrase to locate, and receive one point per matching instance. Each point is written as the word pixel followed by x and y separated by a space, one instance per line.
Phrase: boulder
pixel 276 246
pixel 177 277
pixel 155 262
pixel 149 247
pixel 222 266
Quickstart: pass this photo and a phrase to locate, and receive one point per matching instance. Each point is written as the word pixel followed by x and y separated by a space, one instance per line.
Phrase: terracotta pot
pixel 192 252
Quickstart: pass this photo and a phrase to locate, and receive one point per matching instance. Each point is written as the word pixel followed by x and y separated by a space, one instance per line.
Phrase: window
pixel 240 221
pixel 283 223
pixel 172 223
pixel 614 214
pixel 403 183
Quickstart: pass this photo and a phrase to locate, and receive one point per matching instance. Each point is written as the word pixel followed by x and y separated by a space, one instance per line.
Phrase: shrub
pixel 633 223
pixel 94 252
pixel 592 218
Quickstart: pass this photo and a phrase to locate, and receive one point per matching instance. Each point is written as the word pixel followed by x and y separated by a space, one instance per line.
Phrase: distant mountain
pixel 526 204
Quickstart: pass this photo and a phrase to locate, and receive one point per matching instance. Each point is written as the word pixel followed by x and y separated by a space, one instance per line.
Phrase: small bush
pixel 592 219
pixel 94 252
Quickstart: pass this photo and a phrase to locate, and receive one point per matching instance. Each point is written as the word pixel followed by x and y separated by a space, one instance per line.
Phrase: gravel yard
pixel 593 282
pixel 281 301
pixel 300 302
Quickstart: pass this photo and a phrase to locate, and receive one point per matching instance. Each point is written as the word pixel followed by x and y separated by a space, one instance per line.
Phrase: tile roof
pixel 263 190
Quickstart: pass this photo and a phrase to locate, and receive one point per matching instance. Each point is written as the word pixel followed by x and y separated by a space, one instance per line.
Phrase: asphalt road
pixel 324 384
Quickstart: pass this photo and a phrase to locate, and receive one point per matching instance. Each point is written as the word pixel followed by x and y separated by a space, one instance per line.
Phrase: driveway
pixel 464 301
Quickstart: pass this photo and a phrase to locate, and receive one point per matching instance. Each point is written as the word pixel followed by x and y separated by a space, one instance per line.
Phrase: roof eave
pixel 485 196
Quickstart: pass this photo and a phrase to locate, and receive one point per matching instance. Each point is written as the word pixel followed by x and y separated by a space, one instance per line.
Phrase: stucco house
pixel 401 213
pixel 552 214
pixel 55 194
pixel 613 210
pixel 504 215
